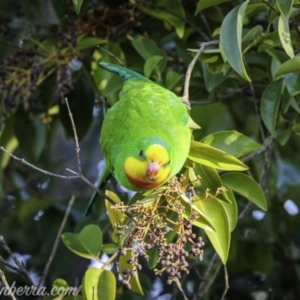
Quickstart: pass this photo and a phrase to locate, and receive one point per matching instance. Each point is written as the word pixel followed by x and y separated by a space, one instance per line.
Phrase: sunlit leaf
pixel 89 42
pixel 269 105
pixel 209 182
pixel 220 239
pixel 107 285
pixel 115 216
pixel 90 284
pixel 231 39
pixel 247 187
pixel 284 35
pixel 231 142
pixel 231 209
pixel 87 243
pixel 291 65
pixel 212 157
pixel 134 281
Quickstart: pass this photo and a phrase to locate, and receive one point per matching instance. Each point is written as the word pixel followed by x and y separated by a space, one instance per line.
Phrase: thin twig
pixel 191 67
pixel 8 289
pixel 56 242
pixel 110 260
pixel 180 289
pixel 111 54
pixel 23 161
pixel 226 283
pixel 77 148
pixel 19 265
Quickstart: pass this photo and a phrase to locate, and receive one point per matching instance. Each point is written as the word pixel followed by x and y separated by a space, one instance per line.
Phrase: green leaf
pixel 284 7
pixel 284 136
pixel 88 42
pixel 77 5
pixel 203 4
pixel 231 209
pixel 151 65
pixel 31 144
pixel 231 142
pixel 172 79
pixel 134 281
pixel 110 248
pixel 115 216
pixel 148 48
pixel 211 80
pixel 107 285
pixel 291 65
pixel 231 39
pixel 176 18
pixel 212 157
pixel 81 101
pixel 87 243
pixel 220 239
pixel 292 83
pixel 209 182
pixel 246 187
pixel 284 35
pixel 90 284
pixel 269 104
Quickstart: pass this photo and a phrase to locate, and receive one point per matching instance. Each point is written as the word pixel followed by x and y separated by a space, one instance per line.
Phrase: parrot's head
pixel 149 164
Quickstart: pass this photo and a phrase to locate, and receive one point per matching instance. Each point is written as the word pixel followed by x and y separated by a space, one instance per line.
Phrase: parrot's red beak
pixel 152 170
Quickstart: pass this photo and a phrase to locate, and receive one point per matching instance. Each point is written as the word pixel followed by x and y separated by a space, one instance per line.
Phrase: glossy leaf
pixel 87 243
pixel 147 48
pixel 203 4
pixel 231 39
pixel 220 239
pixel 115 216
pixel 269 105
pixel 211 80
pixel 110 248
pixel 172 79
pixel 284 35
pixel 77 5
pixel 89 42
pixel 212 157
pixel 284 136
pixel 231 142
pixel 284 7
pixel 292 83
pixel 134 281
pixel 246 187
pixel 90 284
pixel 203 221
pixel 231 209
pixel 291 65
pixel 171 5
pixel 151 65
pixel 107 285
pixel 209 182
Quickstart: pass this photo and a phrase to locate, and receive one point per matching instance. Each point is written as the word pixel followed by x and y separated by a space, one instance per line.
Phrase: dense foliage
pixel 238 194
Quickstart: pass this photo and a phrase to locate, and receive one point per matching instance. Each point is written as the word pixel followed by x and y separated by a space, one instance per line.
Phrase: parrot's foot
pixel 186 103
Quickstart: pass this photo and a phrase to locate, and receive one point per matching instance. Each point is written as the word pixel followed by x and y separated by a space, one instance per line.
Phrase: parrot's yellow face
pixel 150 168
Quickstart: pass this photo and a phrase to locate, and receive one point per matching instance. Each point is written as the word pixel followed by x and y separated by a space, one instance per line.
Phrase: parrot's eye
pixel 141 154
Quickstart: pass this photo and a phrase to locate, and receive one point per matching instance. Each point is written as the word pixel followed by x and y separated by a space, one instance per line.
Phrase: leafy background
pixel 49 50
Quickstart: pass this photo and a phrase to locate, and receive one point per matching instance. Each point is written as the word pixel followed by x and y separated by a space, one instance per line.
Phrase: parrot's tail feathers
pixel 121 71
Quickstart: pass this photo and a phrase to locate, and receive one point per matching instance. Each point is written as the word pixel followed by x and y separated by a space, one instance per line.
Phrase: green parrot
pixel 145 137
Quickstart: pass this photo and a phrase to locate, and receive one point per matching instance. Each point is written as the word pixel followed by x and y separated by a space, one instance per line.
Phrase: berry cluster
pixel 151 232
